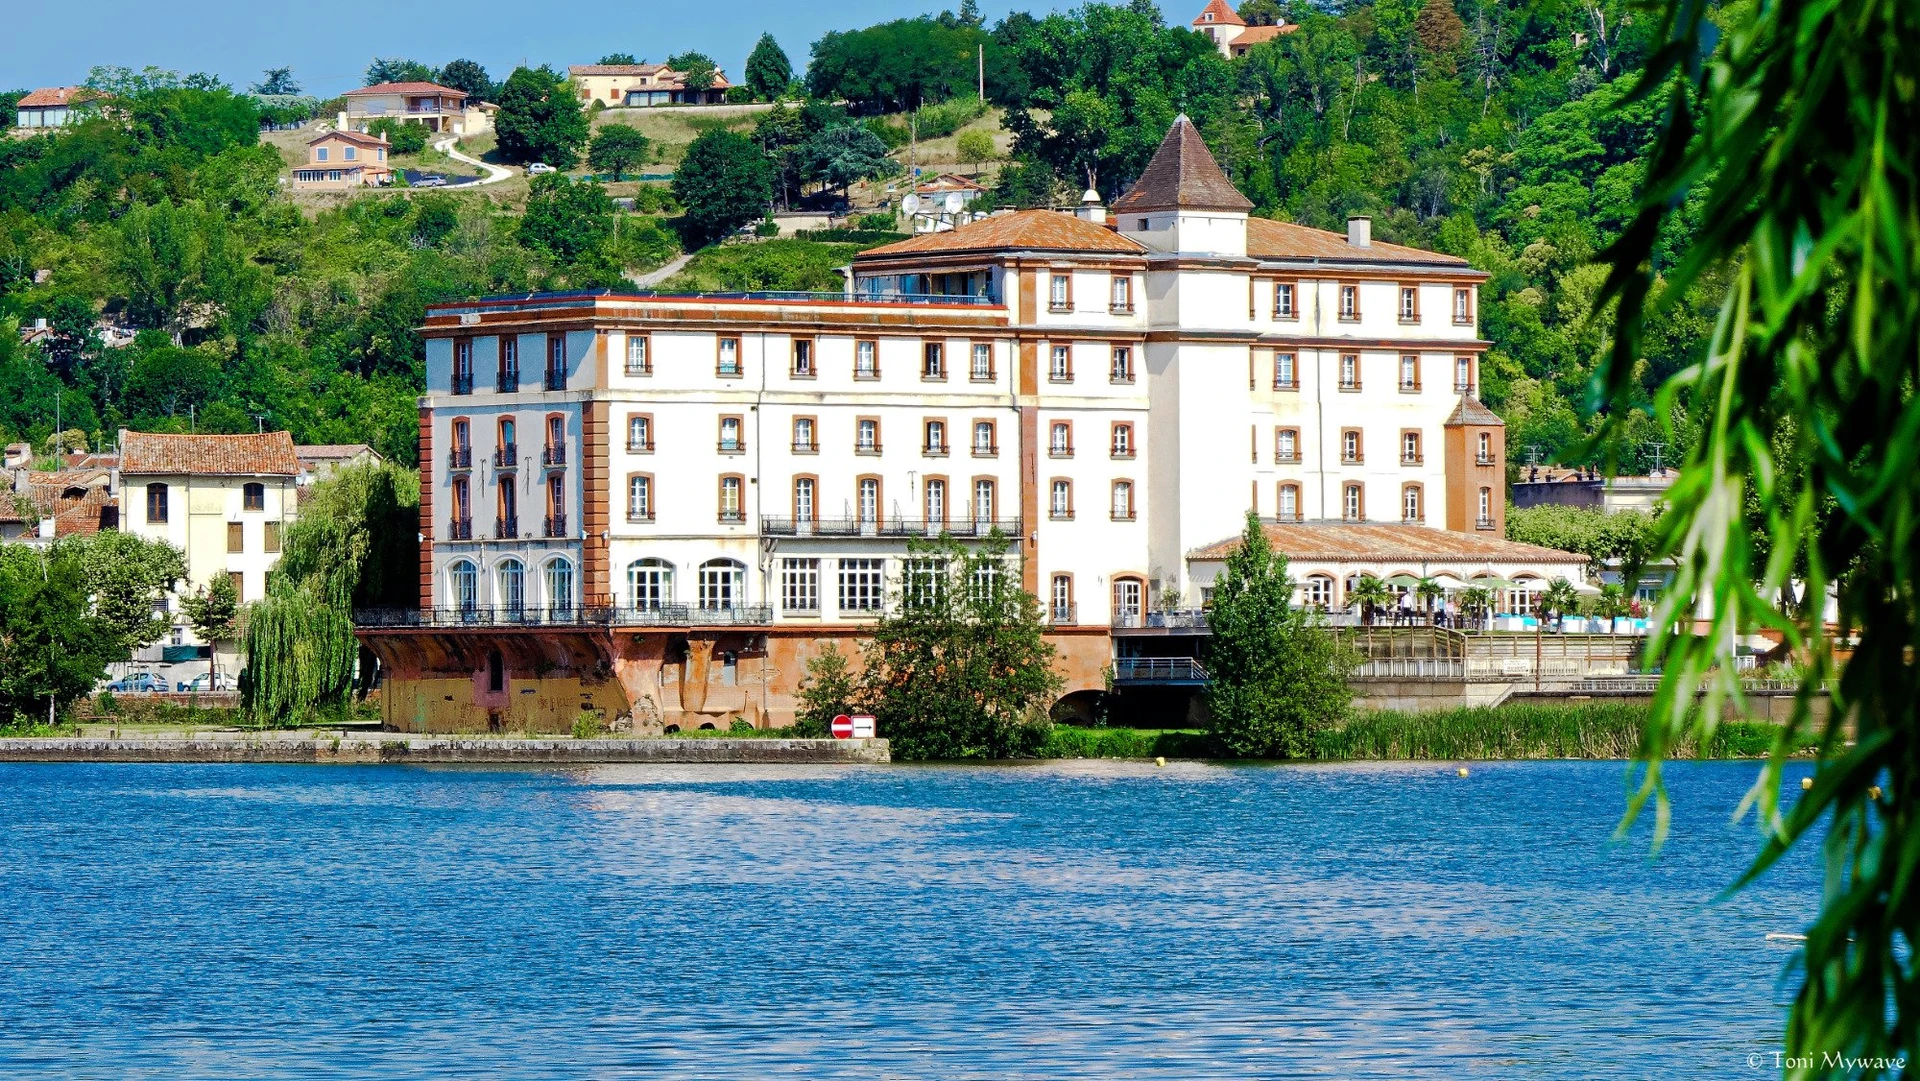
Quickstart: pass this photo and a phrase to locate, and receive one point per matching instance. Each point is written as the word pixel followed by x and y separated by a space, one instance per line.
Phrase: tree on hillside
pixel 697 69
pixel 843 155
pixel 724 182
pixel 540 119
pixel 53 647
pixel 469 76
pixel 1277 675
pixel 126 578
pixel 396 69
pixel 402 137
pixel 617 149
pixel 900 65
pixel 276 81
pixel 975 147
pixel 212 611
pixel 619 58
pixel 768 69
pixel 566 218
pixel 1261 13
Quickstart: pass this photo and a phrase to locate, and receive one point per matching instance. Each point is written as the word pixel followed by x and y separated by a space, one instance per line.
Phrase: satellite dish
pixel 910 205
pixel 955 201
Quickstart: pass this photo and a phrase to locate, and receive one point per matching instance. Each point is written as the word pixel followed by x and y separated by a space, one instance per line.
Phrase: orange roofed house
pixel 337 160
pixel 440 109
pixel 616 85
pixel 1230 33
pixel 53 106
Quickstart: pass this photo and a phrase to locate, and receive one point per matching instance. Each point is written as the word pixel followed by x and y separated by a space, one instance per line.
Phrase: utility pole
pixel 1659 450
pixel 981 75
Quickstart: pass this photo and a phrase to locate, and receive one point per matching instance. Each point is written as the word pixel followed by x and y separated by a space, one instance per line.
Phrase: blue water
pixel 1074 920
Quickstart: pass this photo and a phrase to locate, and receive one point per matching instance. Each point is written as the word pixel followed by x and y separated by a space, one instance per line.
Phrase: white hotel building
pixel 690 494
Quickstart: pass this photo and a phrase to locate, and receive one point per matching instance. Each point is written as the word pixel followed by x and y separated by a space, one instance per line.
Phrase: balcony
pixel 986 450
pixel 1412 459
pixel 639 446
pixel 507 456
pixel 805 447
pixel 732 515
pixel 642 367
pixel 1286 459
pixel 461 458
pixel 1462 388
pixel 1169 671
pixel 1121 378
pixel 1188 619
pixel 732 446
pixel 509 381
pixel 934 450
pixel 460 529
pixel 1483 523
pixel 507 527
pixel 1059 452
pixel 556 525
pixel 771 526
pixel 1063 615
pixel 463 384
pixel 556 379
pixel 556 455
pixel 684 615
pixel 483 616
pixel 1485 459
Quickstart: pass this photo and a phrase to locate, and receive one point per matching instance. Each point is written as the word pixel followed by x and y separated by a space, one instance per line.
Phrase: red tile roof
pixel 1022 230
pixel 1470 411
pixel 1222 15
pixel 268 454
pixel 665 77
pixel 1337 542
pixel 614 69
pixel 1182 175
pixel 1254 35
pixel 405 88
pixel 58 95
pixel 355 137
pixel 1267 239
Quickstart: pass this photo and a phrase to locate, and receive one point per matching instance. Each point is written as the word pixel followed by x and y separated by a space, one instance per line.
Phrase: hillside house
pixel 616 85
pixel 337 160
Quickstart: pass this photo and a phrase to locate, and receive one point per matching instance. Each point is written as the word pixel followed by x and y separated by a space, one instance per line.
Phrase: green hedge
pixel 1525 730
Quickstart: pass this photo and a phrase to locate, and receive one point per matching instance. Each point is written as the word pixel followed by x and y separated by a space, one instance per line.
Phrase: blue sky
pixel 328 42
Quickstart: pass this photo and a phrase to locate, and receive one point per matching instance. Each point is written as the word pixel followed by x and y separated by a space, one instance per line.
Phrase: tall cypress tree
pixel 768 69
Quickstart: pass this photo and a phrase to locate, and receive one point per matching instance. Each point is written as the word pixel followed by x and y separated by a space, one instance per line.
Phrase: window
pixel 730 506
pixel 640 433
pixel 1318 592
pixel 1061 609
pixel 509 360
pixel 649 584
pixel 1121 442
pixel 983 501
pixel 1122 500
pixel 982 369
pixel 869 490
pixel 862 584
pixel 1410 448
pixel 803 358
pixel 935 444
pixel 1485 456
pixel 722 585
pixel 731 441
pixel 556 505
pixel 1463 374
pixel 1352 503
pixel 270 537
pixel 1409 372
pixel 638 362
pixel 1060 293
pixel 640 498
pixel 508 526
pixel 352 153
pixel 510 586
pixel 727 365
pixel 460 523
pixel 463 367
pixel 239 582
pixel 556 450
pixel 1349 371
pixel 1409 304
pixel 1410 503
pixel 1485 520
pixel 936 502
pixel 1060 439
pixel 1286 445
pixel 1122 364
pixel 236 537
pixel 1060 505
pixel 804 505
pixel 1350 447
pixel 320 153
pixel 559 585
pixel 463 586
pixel 933 364
pixel 253 494
pixel 1286 372
pixel 1122 294
pixel 1128 593
pixel 866 359
pixel 556 362
pixel 1349 303
pixel 1060 364
pixel 1288 504
pixel 866 437
pixel 1283 301
pixel 1463 305
pixel 800 585
pixel 983 445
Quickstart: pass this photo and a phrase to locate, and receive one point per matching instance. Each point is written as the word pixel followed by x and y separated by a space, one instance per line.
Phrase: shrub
pixel 768 227
pixel 977 146
pixel 587 725
pixel 827 691
pixel 402 137
pixel 880 221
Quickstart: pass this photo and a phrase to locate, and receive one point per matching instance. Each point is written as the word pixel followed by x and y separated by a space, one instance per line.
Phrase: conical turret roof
pixel 1182 175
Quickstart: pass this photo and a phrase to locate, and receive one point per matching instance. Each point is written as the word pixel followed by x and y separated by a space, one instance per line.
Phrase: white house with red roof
pixel 1230 33
pixel 439 108
pixel 53 106
pixel 634 85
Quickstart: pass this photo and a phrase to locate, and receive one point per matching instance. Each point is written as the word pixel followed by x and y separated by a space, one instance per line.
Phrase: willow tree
pixel 354 546
pixel 1794 125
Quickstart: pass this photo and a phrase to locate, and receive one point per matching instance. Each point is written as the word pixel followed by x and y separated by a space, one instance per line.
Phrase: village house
pixel 319 461
pixel 440 109
pixel 626 85
pixel 1230 33
pixel 337 160
pixel 53 106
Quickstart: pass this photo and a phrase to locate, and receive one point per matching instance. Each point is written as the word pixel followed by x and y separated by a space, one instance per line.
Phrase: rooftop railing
pixel 483 616
pixel 772 526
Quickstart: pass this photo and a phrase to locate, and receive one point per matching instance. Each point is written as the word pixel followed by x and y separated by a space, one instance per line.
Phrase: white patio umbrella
pixel 1448 581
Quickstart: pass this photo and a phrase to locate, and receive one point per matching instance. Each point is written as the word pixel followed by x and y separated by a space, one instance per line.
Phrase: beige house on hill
pixel 439 108
pixel 337 160
pixel 616 85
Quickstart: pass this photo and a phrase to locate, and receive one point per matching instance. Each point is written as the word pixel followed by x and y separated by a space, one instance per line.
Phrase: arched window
pixel 723 584
pixel 1353 508
pixel 156 503
pixel 649 584
pixel 1410 503
pixel 1122 500
pixel 509 452
pixel 936 503
pixel 511 579
pixel 1129 602
pixel 640 433
pixel 463 586
pixel 869 501
pixel 1317 592
pixel 983 503
pixel 1289 503
pixel 1062 611
pixel 805 508
pixel 559 585
pixel 640 498
pixel 253 496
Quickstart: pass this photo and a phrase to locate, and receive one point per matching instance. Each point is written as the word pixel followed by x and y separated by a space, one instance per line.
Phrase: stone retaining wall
pixel 349 750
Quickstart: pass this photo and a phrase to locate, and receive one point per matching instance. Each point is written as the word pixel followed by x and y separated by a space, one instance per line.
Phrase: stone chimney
pixel 1090 208
pixel 1360 231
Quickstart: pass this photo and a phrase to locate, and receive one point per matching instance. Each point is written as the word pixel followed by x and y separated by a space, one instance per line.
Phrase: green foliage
pixel 768 70
pixel 957 667
pixel 724 182
pixel 1626 536
pixel 212 610
pixel 540 119
pixel 697 70
pixel 618 58
pixel 617 149
pixel 899 65
pixel 1026 184
pixel 976 147
pixel 470 76
pixel 278 82
pixel 127 577
pixel 402 137
pixel 566 218
pixel 828 690
pixel 587 725
pixel 1069 741
pixel 935 121
pixel 1521 730
pixel 1277 678
pixel 397 69
pixel 782 264
pixel 53 646
pixel 842 155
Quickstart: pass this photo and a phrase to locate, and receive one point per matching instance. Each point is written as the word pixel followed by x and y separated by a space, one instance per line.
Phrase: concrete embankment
pixel 392 749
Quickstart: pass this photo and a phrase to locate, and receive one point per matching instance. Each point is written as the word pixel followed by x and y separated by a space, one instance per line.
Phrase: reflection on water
pixel 1064 920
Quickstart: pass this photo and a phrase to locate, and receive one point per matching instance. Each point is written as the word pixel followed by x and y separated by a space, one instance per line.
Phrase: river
pixel 1063 920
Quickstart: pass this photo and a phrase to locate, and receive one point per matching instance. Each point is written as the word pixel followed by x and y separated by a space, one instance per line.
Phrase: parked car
pixel 137 683
pixel 539 167
pixel 201 683
pixel 431 180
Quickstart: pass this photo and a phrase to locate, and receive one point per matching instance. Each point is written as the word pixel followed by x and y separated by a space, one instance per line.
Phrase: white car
pixel 222 682
pixel 539 167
